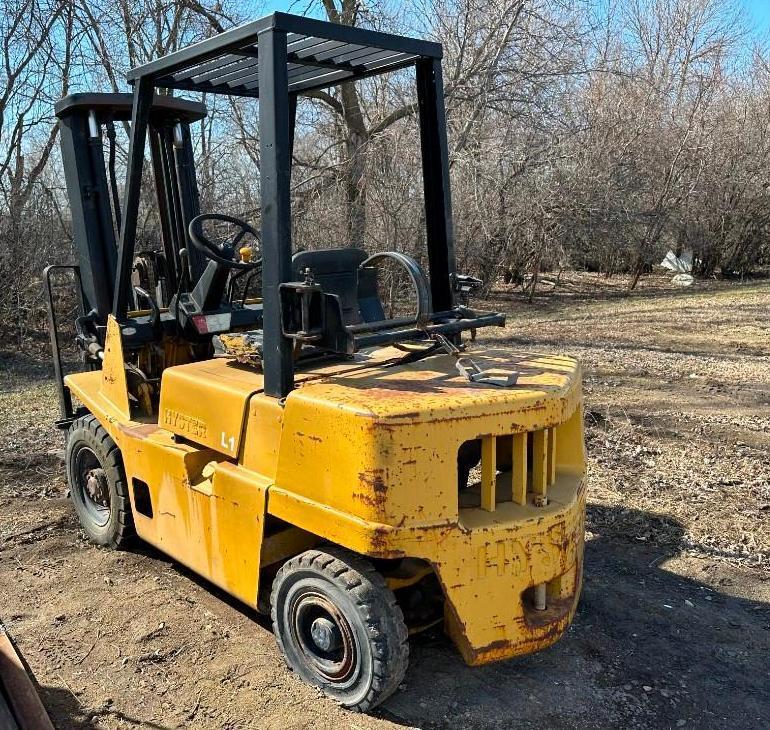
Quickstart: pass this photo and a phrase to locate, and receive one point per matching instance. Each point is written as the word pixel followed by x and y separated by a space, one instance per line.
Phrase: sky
pixel 759 12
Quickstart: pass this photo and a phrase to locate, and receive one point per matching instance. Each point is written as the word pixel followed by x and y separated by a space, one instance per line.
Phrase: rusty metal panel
pixel 381 443
pixel 206 402
pixel 486 577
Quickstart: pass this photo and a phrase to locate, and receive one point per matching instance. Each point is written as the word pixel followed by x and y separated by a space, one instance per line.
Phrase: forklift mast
pixel 87 125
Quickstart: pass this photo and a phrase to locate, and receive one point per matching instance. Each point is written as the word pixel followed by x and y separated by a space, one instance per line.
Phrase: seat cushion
pixel 336 270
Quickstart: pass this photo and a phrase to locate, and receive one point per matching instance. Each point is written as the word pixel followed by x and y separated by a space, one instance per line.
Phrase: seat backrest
pixel 336 270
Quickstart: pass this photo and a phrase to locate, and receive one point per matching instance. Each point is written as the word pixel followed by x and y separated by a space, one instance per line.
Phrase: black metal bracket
pixel 303 314
pixel 65 398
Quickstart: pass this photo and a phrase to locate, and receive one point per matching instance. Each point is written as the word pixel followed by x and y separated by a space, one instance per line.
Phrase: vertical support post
pixel 189 201
pixel 292 125
pixel 65 397
pixel 551 457
pixel 140 115
pixel 488 473
pixel 275 176
pixel 540 462
pixel 175 202
pixel 519 468
pixel 161 194
pixel 100 192
pixel 435 171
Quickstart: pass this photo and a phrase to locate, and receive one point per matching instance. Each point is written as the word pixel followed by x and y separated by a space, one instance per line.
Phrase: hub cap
pixel 93 486
pixel 323 636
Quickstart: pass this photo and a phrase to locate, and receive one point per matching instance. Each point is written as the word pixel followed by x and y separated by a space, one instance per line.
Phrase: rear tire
pixel 98 483
pixel 339 627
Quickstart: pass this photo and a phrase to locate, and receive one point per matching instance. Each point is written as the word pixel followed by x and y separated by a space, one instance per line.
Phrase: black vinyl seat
pixel 338 272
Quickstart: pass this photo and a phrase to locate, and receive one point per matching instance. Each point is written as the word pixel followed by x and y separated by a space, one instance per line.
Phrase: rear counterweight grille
pixel 510 468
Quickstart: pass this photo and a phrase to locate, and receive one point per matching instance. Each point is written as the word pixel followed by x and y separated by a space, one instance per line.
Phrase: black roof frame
pixel 260 59
pixel 336 53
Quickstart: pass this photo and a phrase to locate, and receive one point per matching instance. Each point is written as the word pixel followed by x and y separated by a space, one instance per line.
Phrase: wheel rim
pixel 92 486
pixel 324 637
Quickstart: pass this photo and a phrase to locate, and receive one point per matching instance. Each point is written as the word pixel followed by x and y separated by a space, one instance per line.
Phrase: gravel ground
pixel 674 624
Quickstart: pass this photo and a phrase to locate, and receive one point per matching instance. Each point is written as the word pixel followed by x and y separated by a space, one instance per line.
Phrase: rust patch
pixel 380 544
pixel 367 499
pixel 498 646
pixel 552 619
pixel 373 480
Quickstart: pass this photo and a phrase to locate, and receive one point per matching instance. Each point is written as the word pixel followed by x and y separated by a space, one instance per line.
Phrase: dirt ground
pixel 673 628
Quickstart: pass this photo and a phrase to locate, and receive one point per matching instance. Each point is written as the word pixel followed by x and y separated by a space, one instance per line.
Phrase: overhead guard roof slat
pixel 319 54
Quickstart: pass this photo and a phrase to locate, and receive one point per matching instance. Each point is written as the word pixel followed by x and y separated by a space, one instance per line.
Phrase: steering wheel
pixel 222 253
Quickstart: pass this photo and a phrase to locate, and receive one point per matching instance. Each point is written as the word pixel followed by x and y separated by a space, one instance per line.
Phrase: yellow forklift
pixel 256 416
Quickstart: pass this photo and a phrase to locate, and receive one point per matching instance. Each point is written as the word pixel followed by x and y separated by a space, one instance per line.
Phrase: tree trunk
pixel 355 188
pixel 533 285
pixel 638 268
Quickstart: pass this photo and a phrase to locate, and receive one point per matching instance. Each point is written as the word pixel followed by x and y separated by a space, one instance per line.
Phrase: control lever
pixel 154 309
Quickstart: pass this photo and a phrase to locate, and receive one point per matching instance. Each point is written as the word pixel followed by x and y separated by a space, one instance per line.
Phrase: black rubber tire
pixel 359 592
pixel 118 529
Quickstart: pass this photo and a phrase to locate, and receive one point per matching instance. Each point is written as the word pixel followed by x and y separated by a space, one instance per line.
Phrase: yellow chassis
pixel 365 456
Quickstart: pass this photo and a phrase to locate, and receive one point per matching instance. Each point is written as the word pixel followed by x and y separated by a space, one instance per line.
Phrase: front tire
pixel 98 483
pixel 339 627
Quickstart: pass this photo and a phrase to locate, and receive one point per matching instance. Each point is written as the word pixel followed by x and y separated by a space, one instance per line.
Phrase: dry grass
pixel 677 387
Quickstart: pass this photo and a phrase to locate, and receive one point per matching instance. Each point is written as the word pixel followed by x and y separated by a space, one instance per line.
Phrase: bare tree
pixel 581 134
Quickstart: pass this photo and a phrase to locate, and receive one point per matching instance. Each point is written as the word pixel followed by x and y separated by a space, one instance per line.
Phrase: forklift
pixel 249 409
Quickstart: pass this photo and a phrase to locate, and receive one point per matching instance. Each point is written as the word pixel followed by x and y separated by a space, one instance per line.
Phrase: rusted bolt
pixel 540 602
pixel 540 500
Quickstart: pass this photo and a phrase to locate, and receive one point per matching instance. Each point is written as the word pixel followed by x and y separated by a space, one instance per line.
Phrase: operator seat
pixel 338 272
